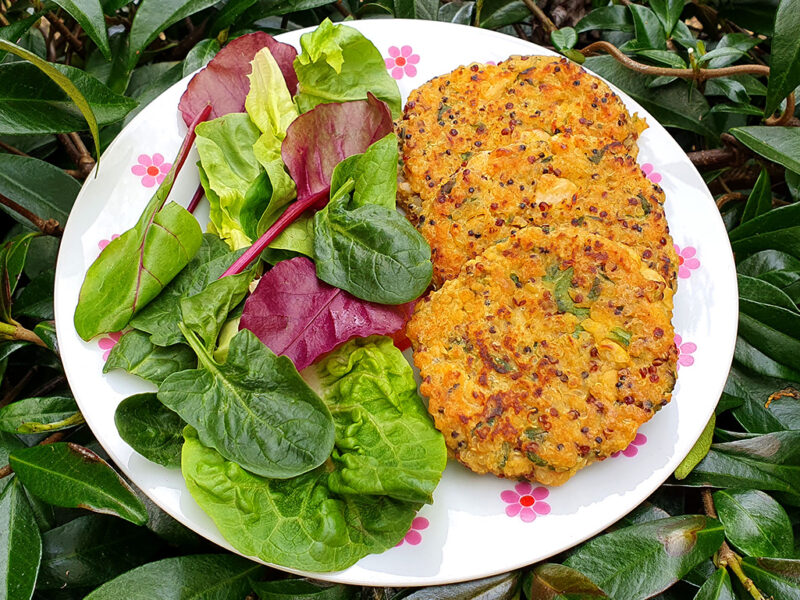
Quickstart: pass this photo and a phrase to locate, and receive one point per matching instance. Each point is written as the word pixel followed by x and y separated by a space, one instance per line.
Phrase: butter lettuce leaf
pixel 386 444
pixel 237 187
pixel 338 64
pixel 298 523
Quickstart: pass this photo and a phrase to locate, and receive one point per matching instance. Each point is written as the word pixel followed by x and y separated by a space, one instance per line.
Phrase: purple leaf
pixel 224 84
pixel 299 316
pixel 323 137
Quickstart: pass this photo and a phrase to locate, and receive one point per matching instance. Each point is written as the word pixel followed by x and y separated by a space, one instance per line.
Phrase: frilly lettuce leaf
pixel 338 64
pixel 237 187
pixel 386 444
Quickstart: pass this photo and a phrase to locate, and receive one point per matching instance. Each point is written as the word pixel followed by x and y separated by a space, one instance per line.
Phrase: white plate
pixel 477 525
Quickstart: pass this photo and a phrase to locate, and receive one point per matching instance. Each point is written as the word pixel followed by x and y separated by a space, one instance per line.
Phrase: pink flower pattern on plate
pixel 687 261
pixel 103 243
pixel 414 537
pixel 401 62
pixel 107 342
pixel 526 501
pixel 632 450
pixel 152 169
pixel 652 175
pixel 685 351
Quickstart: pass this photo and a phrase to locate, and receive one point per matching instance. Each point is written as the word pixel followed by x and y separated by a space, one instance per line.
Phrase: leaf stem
pixel 543 19
pixel 18 332
pixel 198 195
pixel 287 218
pixel 697 74
pixel 11 149
pixel 726 557
pixel 63 30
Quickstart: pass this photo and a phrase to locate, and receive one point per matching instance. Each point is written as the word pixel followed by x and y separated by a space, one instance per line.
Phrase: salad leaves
pixel 254 408
pixel 338 64
pixel 297 315
pixel 387 460
pixel 224 82
pixel 151 429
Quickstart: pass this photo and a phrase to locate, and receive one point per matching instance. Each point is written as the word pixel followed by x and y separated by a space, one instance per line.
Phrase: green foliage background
pixel 74 72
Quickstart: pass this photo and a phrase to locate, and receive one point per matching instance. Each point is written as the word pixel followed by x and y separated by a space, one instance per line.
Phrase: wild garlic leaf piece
pixel 254 408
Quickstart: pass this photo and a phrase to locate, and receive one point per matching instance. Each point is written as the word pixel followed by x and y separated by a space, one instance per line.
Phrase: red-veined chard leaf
pixel 65 474
pixel 135 267
pixel 254 408
pixel 224 82
pixel 297 315
pixel 315 143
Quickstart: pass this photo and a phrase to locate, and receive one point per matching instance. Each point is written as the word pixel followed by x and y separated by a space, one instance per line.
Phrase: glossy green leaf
pixel 758 362
pixel 778 578
pixel 302 589
pixel 766 404
pixel 668 12
pixel 8 443
pixel 495 14
pixel 160 318
pixel 498 587
pixel 153 17
pixel 643 560
pixel 778 144
pixel 785 56
pixel 760 199
pixel 772 341
pixel 17 29
pixel 772 266
pixel 457 12
pixel 200 55
pixel 34 415
pixel 716 587
pixel 766 462
pixel 90 550
pixel 136 354
pixel 56 74
pixel 65 474
pixel 673 105
pixel 267 518
pixel 761 293
pixel 20 544
pixel 89 15
pixel 564 38
pixel 550 581
pixel 46 330
pixel 698 451
pixel 741 42
pixel 255 409
pixel 151 429
pixel 614 18
pixel 13 254
pixel 229 13
pixel 755 523
pixel 647 27
pixel 195 577
pixel 35 301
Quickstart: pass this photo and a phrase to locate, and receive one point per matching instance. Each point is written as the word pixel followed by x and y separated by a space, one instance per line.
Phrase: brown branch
pixel 521 32
pixel 698 75
pixel 63 30
pixel 543 19
pixel 11 149
pixel 12 394
pixel 47 227
pixel 339 6
pixel 3 20
pixel 78 153
pixel 726 199
pixel 715 158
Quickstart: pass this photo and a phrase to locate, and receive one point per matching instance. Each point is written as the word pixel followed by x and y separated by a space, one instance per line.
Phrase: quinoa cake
pixel 482 107
pixel 563 181
pixel 546 354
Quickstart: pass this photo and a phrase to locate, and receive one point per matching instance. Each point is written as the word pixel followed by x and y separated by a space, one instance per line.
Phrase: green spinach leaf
pixel 151 429
pixel 255 409
pixel 137 355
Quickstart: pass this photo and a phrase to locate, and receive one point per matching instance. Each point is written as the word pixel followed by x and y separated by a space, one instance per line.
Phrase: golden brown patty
pixel 482 107
pixel 545 354
pixel 564 181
